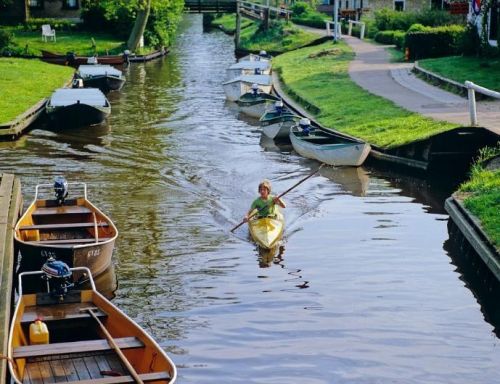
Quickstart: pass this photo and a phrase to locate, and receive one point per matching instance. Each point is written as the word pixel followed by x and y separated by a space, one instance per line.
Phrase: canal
pixel 365 289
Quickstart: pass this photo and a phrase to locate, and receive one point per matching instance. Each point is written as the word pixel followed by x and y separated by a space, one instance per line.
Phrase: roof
pixel 98 70
pixel 257 79
pixel 251 65
pixel 68 96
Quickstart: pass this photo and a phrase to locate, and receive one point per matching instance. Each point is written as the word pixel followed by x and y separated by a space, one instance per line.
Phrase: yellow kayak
pixel 268 230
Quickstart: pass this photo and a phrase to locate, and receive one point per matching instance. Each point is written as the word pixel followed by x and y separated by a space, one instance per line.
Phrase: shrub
pixel 385 37
pixel 417 28
pixel 310 19
pixel 470 43
pixel 390 20
pixel 435 18
pixel 5 38
pixel 301 7
pixel 57 24
pixel 434 42
pixel 399 39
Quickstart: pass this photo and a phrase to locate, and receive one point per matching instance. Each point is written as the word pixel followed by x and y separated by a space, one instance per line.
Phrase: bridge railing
pixel 216 6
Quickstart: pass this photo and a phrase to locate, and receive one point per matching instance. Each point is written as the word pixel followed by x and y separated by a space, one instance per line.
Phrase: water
pixel 365 290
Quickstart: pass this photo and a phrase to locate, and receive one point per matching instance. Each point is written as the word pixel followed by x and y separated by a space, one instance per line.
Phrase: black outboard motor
pixel 257 71
pixel 71 58
pixel 255 89
pixel 60 189
pixel 305 125
pixel 58 278
pixel 278 106
pixel 126 56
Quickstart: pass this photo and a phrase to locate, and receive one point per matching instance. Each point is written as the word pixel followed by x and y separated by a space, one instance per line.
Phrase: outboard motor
pixel 278 106
pixel 305 125
pixel 126 56
pixel 58 278
pixel 71 57
pixel 257 71
pixel 60 189
pixel 77 83
pixel 92 60
pixel 263 54
pixel 255 89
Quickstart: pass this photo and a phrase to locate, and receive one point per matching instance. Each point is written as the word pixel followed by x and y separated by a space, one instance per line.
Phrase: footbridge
pixel 210 6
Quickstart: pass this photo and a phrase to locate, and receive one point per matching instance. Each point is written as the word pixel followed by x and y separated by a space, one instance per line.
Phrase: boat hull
pixel 77 115
pixel 75 61
pixel 232 73
pixel 104 83
pixel 267 231
pixel 279 130
pixel 341 154
pixel 255 109
pixel 235 90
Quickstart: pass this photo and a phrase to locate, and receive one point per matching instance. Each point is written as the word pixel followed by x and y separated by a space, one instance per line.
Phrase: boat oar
pixel 117 349
pixel 279 197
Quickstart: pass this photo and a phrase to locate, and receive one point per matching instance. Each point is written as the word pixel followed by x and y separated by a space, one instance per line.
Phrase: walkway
pixel 373 71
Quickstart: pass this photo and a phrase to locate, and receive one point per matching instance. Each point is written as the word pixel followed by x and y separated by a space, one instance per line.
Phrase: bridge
pixel 248 9
pixel 210 6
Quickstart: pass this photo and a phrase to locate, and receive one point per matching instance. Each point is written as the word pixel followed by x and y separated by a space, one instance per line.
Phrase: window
pixel 399 5
pixel 70 4
pixel 36 4
pixel 346 4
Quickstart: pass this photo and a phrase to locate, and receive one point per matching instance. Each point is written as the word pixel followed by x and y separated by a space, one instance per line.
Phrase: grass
pixel 483 194
pixel 280 37
pixel 484 72
pixel 318 77
pixel 228 22
pixel 24 82
pixel 79 42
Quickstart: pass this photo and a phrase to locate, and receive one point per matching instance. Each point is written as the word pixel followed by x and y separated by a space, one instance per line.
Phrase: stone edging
pixel 470 227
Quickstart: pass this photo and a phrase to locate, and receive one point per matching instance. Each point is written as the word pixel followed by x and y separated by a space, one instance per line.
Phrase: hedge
pixel 434 42
pixel 57 24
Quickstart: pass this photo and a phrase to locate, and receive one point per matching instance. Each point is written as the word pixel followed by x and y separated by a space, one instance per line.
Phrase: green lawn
pixel 318 76
pixel 78 42
pixel 484 72
pixel 25 82
pixel 228 22
pixel 483 198
pixel 280 37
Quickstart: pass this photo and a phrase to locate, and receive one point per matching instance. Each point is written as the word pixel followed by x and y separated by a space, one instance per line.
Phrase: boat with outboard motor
pixel 77 106
pixel 249 68
pixel 267 231
pixel 240 85
pixel 327 147
pixel 70 333
pixel 262 56
pixel 277 120
pixel 72 230
pixel 74 60
pixel 104 77
pixel 255 103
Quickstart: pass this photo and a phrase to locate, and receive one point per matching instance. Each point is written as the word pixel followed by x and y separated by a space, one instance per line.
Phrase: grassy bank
pixel 280 37
pixel 319 77
pixel 78 42
pixel 228 22
pixel 484 72
pixel 482 195
pixel 25 82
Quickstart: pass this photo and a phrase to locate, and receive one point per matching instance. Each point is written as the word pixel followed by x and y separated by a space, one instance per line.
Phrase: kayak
pixel 267 231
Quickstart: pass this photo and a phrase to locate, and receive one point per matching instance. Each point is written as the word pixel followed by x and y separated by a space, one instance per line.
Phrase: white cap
pixel 278 103
pixel 255 86
pixel 126 52
pixel 304 121
pixel 262 53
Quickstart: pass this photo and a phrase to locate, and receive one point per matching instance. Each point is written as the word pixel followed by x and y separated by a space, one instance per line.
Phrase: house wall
pixel 54 9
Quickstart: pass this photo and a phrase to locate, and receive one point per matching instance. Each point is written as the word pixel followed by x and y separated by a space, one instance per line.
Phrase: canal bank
pixel 365 274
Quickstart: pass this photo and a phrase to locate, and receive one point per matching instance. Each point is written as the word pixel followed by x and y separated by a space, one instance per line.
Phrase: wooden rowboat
pixel 90 340
pixel 75 61
pixel 328 148
pixel 267 231
pixel 75 232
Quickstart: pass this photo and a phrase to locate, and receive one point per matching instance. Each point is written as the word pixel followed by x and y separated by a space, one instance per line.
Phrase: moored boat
pixel 267 231
pixel 70 107
pixel 72 230
pixel 240 85
pixel 277 121
pixel 69 334
pixel 255 103
pixel 104 77
pixel 262 56
pixel 74 60
pixel 326 147
pixel 249 68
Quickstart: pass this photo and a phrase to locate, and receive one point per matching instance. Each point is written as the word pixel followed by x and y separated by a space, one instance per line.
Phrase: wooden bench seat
pixel 74 347
pixel 61 210
pixel 125 379
pixel 61 226
pixel 58 312
pixel 69 241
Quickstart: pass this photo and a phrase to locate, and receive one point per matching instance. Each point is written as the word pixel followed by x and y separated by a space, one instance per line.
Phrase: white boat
pixel 326 147
pixel 262 56
pixel 249 68
pixel 240 85
pixel 104 77
pixel 255 103
pixel 277 121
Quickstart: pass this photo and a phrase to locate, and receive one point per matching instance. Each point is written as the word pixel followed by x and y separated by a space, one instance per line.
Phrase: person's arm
pixel 251 212
pixel 279 202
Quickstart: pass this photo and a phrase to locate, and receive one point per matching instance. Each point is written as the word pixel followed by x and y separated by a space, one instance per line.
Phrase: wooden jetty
pixel 13 129
pixel 10 209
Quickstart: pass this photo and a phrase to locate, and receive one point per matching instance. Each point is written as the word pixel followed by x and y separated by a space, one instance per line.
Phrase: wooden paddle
pixel 278 197
pixel 117 349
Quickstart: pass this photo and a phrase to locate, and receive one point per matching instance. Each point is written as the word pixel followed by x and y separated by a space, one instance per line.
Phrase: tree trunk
pixel 139 26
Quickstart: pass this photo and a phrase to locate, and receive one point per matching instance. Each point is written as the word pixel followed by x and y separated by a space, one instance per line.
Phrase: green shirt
pixel 259 204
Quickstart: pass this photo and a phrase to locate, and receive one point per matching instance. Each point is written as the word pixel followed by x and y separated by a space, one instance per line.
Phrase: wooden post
pixel 238 26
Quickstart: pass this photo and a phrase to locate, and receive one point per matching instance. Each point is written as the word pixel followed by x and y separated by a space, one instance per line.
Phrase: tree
pixel 141 21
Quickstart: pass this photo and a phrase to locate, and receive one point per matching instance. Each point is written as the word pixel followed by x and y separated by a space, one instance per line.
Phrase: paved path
pixel 373 71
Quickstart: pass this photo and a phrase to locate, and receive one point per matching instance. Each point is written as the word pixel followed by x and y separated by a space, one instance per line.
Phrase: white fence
pixel 471 91
pixel 362 33
pixel 330 27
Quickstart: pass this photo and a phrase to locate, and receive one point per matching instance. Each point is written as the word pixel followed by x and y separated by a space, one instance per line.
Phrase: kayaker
pixel 265 203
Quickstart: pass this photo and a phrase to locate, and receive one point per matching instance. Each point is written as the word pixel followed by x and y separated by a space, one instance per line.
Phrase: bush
pixel 34 25
pixel 399 39
pixel 470 43
pixel 417 28
pixel 434 42
pixel 301 7
pixel 5 38
pixel 435 18
pixel 304 14
pixel 390 20
pixel 385 37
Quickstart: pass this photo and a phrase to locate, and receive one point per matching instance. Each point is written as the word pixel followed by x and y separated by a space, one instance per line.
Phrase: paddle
pixel 278 197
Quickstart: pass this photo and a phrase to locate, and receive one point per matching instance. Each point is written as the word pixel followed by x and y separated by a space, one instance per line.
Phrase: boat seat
pixel 61 210
pixel 146 377
pixel 61 226
pixel 60 312
pixel 69 241
pixel 74 347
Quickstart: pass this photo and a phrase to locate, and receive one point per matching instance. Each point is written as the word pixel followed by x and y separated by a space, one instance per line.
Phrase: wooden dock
pixel 15 128
pixel 10 209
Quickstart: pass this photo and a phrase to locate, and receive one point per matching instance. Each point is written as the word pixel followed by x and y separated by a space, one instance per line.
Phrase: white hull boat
pixel 279 130
pixel 249 68
pixel 255 104
pixel 240 85
pixel 329 148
